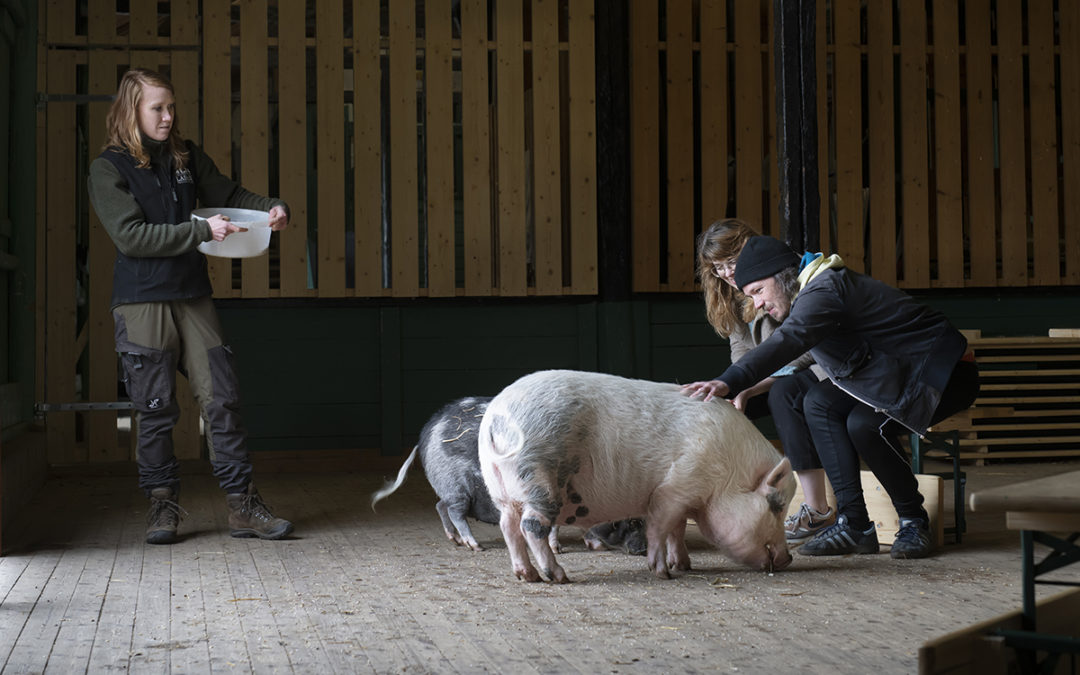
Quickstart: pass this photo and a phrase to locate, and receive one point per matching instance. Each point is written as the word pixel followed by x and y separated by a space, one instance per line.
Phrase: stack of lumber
pixel 1029 402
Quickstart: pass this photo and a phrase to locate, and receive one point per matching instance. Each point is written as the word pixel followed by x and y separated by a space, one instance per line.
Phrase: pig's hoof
pixel 662 573
pixel 475 546
pixel 530 575
pixel 557 576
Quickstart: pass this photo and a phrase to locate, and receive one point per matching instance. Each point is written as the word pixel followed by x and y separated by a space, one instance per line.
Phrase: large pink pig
pixel 577 448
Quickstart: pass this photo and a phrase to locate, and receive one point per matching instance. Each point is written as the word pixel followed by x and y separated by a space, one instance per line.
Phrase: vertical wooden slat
pixel 547 174
pixel 330 121
pixel 881 128
pixel 367 152
pixel 254 128
pixel 1044 148
pixel 914 163
pixel 41 134
pixel 823 187
pixel 142 23
pixel 101 24
pixel 184 73
pixel 59 242
pixel 849 133
pixel 583 245
pixel 510 113
pixel 770 215
pixel 476 147
pixel 292 135
pixel 439 145
pixel 1013 179
pixel 142 34
pixel 749 113
pixel 101 436
pixel 948 186
pixel 644 145
pixel 982 235
pixel 714 111
pixel 60 17
pixel 216 113
pixel 1070 136
pixel 403 166
pixel 680 145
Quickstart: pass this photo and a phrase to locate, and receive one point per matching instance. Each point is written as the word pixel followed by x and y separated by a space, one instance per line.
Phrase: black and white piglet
pixel 448 453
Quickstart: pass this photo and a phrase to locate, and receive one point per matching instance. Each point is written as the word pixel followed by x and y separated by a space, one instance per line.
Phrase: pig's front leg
pixel 656 554
pixel 536 529
pixel 665 525
pixel 510 524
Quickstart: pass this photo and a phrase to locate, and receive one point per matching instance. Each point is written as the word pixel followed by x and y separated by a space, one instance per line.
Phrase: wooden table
pixel 1038 508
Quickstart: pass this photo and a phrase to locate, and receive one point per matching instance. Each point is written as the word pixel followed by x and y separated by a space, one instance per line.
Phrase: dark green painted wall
pixel 332 375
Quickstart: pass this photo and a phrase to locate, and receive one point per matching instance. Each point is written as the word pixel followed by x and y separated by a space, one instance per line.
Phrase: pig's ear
pixel 778 473
pixel 771 489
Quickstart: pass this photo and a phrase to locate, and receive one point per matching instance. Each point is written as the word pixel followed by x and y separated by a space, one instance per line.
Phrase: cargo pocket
pixel 148 376
pixel 223 375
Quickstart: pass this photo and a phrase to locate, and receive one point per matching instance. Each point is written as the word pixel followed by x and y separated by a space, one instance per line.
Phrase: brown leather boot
pixel 163 516
pixel 249 516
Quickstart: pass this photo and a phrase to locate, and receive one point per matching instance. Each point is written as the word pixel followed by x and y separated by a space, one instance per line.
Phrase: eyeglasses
pixel 722 269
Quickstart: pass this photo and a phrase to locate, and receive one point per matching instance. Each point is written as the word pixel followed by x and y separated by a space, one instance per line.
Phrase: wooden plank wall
pixel 946 150
pixel 353 111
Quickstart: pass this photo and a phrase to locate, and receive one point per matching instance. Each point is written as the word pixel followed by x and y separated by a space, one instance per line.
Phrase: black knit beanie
pixel 763 257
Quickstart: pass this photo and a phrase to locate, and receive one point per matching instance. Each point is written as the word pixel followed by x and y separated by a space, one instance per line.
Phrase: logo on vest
pixel 183 176
pixel 154 403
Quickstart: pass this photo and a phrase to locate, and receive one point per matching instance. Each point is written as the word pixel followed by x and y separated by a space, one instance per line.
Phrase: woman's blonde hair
pixel 725 306
pixel 122 123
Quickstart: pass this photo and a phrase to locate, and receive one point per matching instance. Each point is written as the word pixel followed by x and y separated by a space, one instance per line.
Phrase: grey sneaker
pixel 913 539
pixel 163 516
pixel 840 539
pixel 806 523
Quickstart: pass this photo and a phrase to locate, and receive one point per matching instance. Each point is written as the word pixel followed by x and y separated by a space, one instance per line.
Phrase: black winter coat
pixel 875 342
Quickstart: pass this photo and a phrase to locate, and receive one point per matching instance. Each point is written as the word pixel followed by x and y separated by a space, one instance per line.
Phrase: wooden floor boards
pixel 360 592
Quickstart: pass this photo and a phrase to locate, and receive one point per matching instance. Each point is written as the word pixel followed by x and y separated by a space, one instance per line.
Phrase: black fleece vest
pixel 165 196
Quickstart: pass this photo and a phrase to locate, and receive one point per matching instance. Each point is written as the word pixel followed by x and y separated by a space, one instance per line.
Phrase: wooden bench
pixel 1050 627
pixel 942 441
pixel 1032 387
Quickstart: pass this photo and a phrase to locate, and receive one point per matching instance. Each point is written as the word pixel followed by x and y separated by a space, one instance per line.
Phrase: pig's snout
pixel 777 559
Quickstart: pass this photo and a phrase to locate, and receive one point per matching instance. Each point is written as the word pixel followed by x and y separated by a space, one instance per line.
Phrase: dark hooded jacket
pixel 875 342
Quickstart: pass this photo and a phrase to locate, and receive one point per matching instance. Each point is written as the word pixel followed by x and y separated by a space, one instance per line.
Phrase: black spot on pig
pixel 575 498
pixel 535 528
pixel 570 520
pixel 582 511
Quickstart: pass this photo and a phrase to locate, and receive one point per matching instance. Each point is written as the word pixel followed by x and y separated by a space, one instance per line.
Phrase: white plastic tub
pixel 254 242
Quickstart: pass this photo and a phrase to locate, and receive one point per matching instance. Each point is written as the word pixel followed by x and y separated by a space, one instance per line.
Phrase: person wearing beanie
pixel 894 367
pixel 733 317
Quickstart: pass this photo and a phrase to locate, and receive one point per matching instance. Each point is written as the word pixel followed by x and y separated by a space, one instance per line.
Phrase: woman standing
pixel 143 187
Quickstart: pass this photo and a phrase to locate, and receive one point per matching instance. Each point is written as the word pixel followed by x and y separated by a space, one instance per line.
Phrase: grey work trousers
pixel 154 339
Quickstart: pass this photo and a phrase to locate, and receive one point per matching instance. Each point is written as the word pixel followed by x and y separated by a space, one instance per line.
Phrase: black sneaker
pixel 913 539
pixel 841 539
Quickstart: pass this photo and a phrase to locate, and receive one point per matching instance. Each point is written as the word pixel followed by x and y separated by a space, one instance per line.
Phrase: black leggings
pixel 845 430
